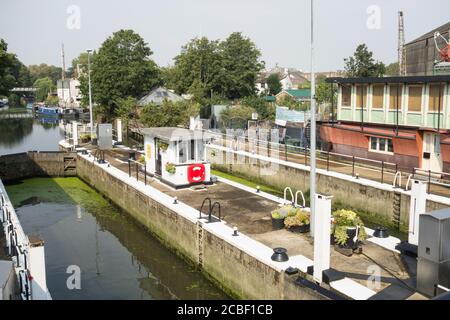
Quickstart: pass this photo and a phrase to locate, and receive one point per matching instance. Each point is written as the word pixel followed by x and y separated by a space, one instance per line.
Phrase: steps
pixel 70 165
pixel 396 208
pixel 200 244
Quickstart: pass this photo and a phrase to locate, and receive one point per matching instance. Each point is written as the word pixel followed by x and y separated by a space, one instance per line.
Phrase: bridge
pixel 18 89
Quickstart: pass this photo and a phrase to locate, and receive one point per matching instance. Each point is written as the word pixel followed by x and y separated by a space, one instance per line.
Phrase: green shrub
pixel 343 219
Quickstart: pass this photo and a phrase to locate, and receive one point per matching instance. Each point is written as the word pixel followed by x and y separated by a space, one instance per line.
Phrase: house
pixel 298 95
pixel 401 120
pixel 157 96
pixel 68 92
pixel 177 155
pixel 290 78
pixel 422 54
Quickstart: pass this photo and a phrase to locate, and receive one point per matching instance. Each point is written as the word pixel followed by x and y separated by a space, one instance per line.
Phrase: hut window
pixel 361 94
pixel 378 96
pixel 434 104
pixel 192 150
pixel 415 98
pixel 395 103
pixel 346 96
pixel 182 152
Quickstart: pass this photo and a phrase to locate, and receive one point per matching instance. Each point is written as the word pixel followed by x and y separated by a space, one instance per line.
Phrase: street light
pixel 312 185
pixel 90 93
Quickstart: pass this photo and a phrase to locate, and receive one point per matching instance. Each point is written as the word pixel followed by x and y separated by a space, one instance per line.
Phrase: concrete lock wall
pixel 378 205
pixel 37 164
pixel 237 272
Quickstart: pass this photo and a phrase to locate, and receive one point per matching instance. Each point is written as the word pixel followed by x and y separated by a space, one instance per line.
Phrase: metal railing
pixel 17 243
pixel 376 170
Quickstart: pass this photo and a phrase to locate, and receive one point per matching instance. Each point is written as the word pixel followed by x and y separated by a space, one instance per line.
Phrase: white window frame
pixel 377 150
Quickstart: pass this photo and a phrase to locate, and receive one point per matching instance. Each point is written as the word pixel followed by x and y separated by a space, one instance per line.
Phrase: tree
pixel 52 100
pixel 121 68
pixel 127 110
pixel 274 84
pixel 45 71
pixel 198 69
pixel 291 103
pixel 265 110
pixel 324 91
pixel 241 60
pixel 13 73
pixel 79 65
pixel 169 114
pixel 393 69
pixel 43 87
pixel 362 64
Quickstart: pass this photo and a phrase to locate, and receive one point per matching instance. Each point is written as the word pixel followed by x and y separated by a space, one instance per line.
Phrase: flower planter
pixel 350 243
pixel 277 224
pixel 300 229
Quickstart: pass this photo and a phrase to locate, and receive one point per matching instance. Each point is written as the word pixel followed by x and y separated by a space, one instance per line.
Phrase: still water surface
pixel 118 259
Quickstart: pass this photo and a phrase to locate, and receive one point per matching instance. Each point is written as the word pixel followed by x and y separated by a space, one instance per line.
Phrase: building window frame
pixel 382 145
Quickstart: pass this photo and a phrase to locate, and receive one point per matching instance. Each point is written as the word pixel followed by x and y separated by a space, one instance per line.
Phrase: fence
pixel 380 171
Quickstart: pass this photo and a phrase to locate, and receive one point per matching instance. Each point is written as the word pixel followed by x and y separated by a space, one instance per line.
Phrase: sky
pixel 35 29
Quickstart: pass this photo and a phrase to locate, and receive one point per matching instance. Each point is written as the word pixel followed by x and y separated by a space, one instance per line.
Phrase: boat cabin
pixel 177 155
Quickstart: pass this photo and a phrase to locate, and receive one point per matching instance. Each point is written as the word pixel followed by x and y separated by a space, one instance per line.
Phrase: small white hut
pixel 176 155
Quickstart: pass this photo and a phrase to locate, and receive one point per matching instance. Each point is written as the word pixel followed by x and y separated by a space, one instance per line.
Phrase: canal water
pixel 116 257
pixel 26 134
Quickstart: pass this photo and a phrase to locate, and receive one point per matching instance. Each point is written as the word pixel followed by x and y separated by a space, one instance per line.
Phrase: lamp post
pixel 90 93
pixel 312 177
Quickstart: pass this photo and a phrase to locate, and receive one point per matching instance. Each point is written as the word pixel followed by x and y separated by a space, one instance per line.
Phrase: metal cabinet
pixel 433 269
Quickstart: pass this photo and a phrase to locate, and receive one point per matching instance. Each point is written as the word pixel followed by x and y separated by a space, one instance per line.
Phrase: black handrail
pixel 212 209
pixel 203 203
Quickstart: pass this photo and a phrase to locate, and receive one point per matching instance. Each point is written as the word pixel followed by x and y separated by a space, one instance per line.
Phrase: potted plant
pixel 85 137
pixel 141 159
pixel 299 222
pixel 278 217
pixel 163 145
pixel 348 229
pixel 171 168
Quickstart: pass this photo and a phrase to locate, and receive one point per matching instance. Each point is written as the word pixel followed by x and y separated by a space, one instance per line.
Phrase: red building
pixel 402 120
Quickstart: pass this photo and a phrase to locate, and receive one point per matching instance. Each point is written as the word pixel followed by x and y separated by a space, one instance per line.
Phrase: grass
pixel 264 188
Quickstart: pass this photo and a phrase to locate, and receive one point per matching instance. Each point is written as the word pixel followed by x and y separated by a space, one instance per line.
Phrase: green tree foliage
pixel 43 70
pixel 362 64
pixel 43 87
pixel 274 84
pixel 127 110
pixel 169 114
pixel 265 110
pixel 79 63
pixel 393 69
pixel 14 100
pixel 13 73
pixel 227 68
pixel 52 101
pixel 324 91
pixel 197 70
pixel 241 60
pixel 121 68
pixel 237 112
pixel 291 103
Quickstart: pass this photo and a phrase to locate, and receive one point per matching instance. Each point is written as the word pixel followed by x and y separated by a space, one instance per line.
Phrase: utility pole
pixel 63 75
pixel 401 45
pixel 90 94
pixel 312 177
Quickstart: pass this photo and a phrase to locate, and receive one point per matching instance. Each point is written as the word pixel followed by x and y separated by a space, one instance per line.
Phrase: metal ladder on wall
pixel 294 199
pixel 200 231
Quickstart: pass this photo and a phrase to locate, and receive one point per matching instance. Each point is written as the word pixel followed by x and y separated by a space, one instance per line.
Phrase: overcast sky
pixel 35 29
